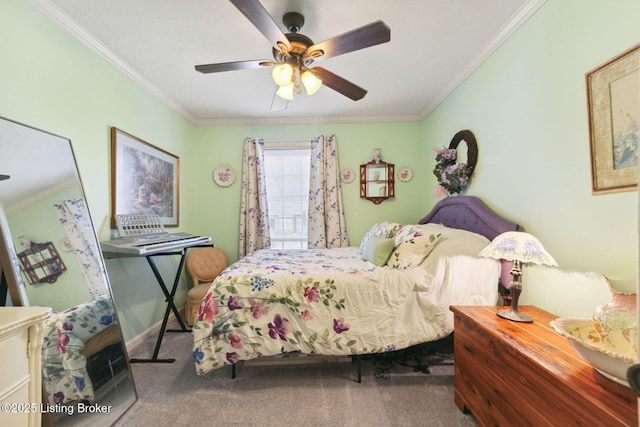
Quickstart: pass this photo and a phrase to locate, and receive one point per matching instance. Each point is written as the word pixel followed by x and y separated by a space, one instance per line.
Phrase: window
pixel 287 180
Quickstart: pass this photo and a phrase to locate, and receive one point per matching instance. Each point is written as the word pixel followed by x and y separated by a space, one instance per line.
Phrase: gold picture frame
pixel 613 98
pixel 145 180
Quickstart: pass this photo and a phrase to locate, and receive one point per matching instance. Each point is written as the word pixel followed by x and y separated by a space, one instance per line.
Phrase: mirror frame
pixel 10 268
pixel 377 177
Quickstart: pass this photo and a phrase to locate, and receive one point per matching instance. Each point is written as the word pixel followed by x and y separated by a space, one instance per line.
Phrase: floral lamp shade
pixel 521 248
pixel 518 246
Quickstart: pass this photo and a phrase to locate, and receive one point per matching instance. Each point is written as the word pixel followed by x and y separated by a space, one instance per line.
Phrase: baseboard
pixel 152 332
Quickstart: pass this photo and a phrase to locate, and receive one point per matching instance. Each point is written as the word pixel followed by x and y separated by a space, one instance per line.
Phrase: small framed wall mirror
pixel 50 257
pixel 377 181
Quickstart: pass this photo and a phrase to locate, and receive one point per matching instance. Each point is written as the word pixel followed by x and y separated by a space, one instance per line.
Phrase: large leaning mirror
pixel 52 259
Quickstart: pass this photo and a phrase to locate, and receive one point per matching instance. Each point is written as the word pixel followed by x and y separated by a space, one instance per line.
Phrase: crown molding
pixel 41 195
pixel 516 21
pixel 53 12
pixel 248 121
pixel 65 21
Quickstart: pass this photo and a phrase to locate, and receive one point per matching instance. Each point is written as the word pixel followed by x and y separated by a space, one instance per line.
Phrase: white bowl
pixel 609 350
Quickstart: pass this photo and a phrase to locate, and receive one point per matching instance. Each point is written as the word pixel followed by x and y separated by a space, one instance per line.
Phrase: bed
pixel 71 339
pixel 353 301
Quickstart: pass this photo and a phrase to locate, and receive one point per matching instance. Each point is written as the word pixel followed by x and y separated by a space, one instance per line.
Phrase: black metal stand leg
pixel 170 307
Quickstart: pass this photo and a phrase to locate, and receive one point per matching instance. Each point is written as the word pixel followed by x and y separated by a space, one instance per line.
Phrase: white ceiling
pixel 435 45
pixel 37 162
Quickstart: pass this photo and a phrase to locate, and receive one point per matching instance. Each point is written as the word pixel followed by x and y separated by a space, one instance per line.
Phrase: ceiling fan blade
pixel 278 103
pixel 366 36
pixel 260 18
pixel 340 85
pixel 232 66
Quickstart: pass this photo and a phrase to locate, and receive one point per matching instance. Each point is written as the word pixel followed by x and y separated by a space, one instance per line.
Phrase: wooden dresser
pixel 525 374
pixel 20 370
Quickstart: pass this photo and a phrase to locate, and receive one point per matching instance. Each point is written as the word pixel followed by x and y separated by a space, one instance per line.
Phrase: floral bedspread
pixel 322 301
pixel 64 367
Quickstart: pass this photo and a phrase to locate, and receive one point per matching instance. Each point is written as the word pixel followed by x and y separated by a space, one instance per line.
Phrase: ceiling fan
pixel 293 53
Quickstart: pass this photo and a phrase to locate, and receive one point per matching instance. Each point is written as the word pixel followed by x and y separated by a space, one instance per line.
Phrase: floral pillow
pixel 384 229
pixel 412 245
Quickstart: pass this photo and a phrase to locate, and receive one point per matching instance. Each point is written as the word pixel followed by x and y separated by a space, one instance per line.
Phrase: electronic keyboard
pixel 145 235
pixel 150 244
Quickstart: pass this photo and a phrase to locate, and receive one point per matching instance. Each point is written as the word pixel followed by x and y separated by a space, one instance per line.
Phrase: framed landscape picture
pixel 613 96
pixel 145 180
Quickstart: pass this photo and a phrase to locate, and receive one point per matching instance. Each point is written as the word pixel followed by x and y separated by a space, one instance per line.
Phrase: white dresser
pixel 20 371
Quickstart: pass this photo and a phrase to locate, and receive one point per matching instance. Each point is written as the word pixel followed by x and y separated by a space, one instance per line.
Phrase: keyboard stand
pixel 169 295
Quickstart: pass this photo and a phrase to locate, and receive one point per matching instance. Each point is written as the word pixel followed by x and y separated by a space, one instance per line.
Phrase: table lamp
pixel 521 248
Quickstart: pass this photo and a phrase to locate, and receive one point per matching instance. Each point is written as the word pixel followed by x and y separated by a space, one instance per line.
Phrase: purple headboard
pixel 472 214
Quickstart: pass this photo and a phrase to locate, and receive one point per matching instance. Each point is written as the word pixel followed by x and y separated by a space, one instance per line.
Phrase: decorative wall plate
pixel 347 175
pixel 65 245
pixel 405 174
pixel 224 175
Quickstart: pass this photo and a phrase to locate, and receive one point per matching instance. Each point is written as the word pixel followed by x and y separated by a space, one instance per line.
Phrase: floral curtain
pixel 74 217
pixel 327 226
pixel 254 214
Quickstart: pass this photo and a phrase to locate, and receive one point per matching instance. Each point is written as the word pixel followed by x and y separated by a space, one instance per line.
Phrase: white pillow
pixel 454 241
pixel 413 245
pixel 383 230
pixel 459 248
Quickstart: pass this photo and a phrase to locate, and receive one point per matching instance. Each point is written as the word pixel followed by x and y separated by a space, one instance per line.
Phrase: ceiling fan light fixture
pixel 311 83
pixel 285 91
pixel 282 74
pixel 294 52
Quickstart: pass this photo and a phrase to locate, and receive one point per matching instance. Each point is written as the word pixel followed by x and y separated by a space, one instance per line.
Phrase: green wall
pixel 527 108
pixel 52 81
pixel 400 143
pixel 69 288
pixel 526 105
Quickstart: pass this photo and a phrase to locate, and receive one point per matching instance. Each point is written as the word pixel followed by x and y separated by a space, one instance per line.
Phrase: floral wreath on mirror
pixel 454 177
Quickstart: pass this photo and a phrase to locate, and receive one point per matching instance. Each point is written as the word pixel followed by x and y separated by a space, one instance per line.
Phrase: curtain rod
pixel 284 145
pixel 275 141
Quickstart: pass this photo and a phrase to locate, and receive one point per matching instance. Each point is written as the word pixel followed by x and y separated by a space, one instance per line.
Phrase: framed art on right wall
pixel 613 97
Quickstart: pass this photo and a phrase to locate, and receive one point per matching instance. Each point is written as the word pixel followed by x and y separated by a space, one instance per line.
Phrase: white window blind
pixel 287 180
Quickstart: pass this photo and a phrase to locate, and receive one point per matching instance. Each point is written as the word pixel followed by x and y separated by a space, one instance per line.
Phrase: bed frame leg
pixel 233 371
pixel 358 361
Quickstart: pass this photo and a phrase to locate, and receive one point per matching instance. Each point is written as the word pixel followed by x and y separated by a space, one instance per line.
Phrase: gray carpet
pixel 328 394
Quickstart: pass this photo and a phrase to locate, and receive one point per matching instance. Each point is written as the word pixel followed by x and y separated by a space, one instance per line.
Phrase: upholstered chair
pixel 203 265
